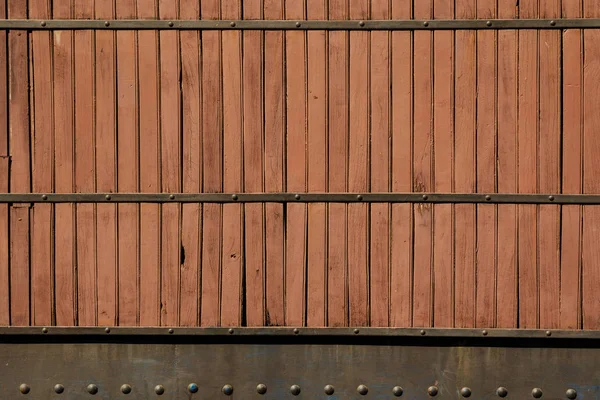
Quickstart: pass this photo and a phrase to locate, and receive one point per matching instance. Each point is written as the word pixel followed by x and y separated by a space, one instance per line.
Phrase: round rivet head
pixel 488 197
pixel 432 390
pixel 548 333
pixel 58 388
pixel 172 196
pixel 536 393
pixel 356 331
pixel 227 390
pixel 107 330
pixel 44 197
pixel 552 23
pixel 502 392
pixel 171 330
pixel 44 330
pixel 489 23
pixel 298 24
pixel 261 388
pixel 362 390
pixel 125 389
pixel 92 389
pixel 397 391
pixel 484 332
pixel 295 390
pixel 551 198
pixel 232 24
pixel 361 23
pixel 571 394
pixel 43 23
pixel 106 23
pixel 329 390
pixel 24 388
pixel 230 331
pixel 107 197
pixel 425 23
pixel 171 24
pixel 234 197
pixel 465 392
pixel 425 197
pixel 297 197
pixel 296 331
pixel 359 197
pixel 159 389
pixel 423 332
pixel 192 388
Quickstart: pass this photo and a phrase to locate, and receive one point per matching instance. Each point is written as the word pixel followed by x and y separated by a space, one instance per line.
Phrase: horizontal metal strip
pixel 299 331
pixel 448 198
pixel 64 24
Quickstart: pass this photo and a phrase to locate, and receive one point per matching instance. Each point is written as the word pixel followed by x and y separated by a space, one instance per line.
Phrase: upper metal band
pixel 385 25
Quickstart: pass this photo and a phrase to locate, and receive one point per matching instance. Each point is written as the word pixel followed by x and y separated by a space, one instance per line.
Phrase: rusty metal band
pixel 446 198
pixel 385 25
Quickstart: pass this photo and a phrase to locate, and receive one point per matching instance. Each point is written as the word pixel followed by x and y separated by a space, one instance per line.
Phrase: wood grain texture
pixel 4 176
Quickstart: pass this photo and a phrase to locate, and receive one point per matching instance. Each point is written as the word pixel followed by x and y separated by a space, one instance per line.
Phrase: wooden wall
pixel 446 111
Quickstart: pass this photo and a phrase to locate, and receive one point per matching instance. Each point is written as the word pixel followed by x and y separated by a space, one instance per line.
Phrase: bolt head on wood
pixel 24 388
pixel 397 391
pixel 465 392
pixel 58 388
pixel 193 388
pixel 227 390
pixel 362 390
pixel 432 390
pixel 125 389
pixel 536 393
pixel 261 388
pixel 159 389
pixel 44 330
pixel 502 392
pixel 329 390
pixel 571 394
pixel 232 24
pixel 295 390
pixel 92 389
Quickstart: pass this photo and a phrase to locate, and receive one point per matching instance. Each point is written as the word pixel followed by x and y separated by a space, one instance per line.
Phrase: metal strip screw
pixel 92 389
pixel 397 391
pixel 171 330
pixel 107 330
pixel 295 390
pixel 432 390
pixel 227 390
pixel 356 331
pixel 571 394
pixel 537 393
pixel 362 389
pixel 329 390
pixel 159 390
pixel 193 388
pixel 58 388
pixel 465 392
pixel 24 388
pixel 261 388
pixel 125 389
pixel 502 392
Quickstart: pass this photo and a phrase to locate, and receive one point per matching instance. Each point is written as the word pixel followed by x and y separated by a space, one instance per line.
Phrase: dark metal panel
pixel 302 24
pixel 587 199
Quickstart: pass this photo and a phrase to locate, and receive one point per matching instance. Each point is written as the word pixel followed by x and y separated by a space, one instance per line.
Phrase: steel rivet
pixel 261 388
pixel 92 389
pixel 232 24
pixel 24 388
pixel 126 389
pixel 398 391
pixel 571 394
pixel 107 197
pixel 484 332
pixel 548 333
pixel 329 390
pixel 489 23
pixel 297 197
pixel 359 197
pixel 551 198
pixel 58 388
pixel 227 390
pixel 159 390
pixel 43 23
pixel 193 388
pixel 356 331
pixel 44 197
pixel 537 393
pixel 465 392
pixel 425 23
pixel 552 23
pixel 488 197
pixel 295 390
pixel 234 197
pixel 362 389
pixel 44 330
pixel 425 197
pixel 296 331
pixel 361 23
pixel 107 330
pixel 171 24
pixel 502 392
pixel 171 330
pixel 172 196
pixel 298 24
pixel 423 332
pixel 230 331
pixel 432 390
pixel 106 23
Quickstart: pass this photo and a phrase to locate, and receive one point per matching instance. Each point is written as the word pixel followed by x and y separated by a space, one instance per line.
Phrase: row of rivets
pixel 295 390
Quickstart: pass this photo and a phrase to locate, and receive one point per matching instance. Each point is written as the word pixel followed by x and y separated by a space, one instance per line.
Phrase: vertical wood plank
pixel 486 169
pixel 232 252
pixel 296 139
pixel 106 223
pixel 379 243
pixel 591 175
pixel 192 165
pixel 337 295
pixel 422 145
pixel 358 169
pixel 212 124
pixel 149 148
pixel 274 107
pixel 64 164
pixel 465 120
pixel 527 140
pixel 507 280
pixel 170 163
pixel 316 303
pixel 85 168
pixel 549 167
pixel 42 137
pixel 443 143
pixel 253 167
pixel 572 173
pixel 4 176
pixel 401 241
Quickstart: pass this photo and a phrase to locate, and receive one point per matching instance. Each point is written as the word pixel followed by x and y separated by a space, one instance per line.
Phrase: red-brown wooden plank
pixel 4 177
pixel 422 180
pixel 232 252
pixel 149 125
pixel 507 170
pixel 378 246
pixel 443 139
pixel 486 169
pixel 337 278
pixel 192 166
pixel 84 168
pixel 42 137
pixel 570 252
pixel 316 303
pixel 465 100
pixel 527 142
pixel 591 176
pixel 401 229
pixel 274 107
pixel 253 167
pixel 171 163
pixel 295 224
pixel 106 222
pixel 549 166
pixel 64 147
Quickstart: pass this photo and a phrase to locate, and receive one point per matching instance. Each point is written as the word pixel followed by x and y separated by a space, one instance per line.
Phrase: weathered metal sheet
pixel 334 363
